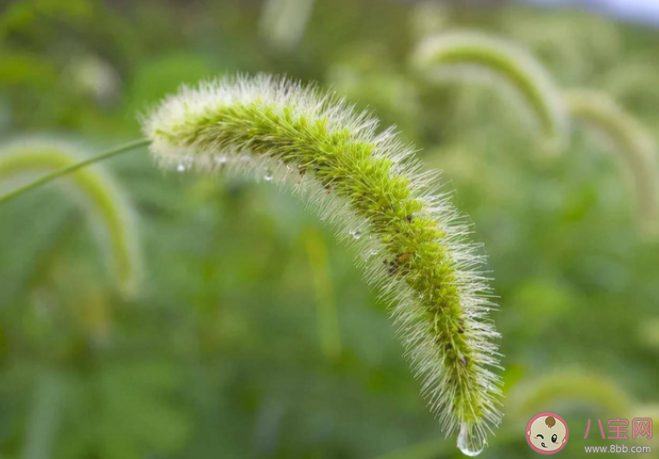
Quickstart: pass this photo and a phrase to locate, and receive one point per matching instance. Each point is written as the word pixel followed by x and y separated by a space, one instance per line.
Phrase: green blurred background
pixel 253 334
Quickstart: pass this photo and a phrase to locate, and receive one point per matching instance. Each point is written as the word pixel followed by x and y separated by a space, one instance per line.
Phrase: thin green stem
pixel 45 418
pixel 72 168
pixel 326 316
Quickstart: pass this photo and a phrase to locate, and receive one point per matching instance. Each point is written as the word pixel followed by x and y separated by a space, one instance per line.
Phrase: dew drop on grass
pixel 469 442
pixel 268 175
pixel 355 233
pixel 185 164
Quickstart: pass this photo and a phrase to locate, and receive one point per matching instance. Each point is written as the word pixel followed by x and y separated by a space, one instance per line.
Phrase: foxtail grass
pixel 474 56
pixel 110 208
pixel 413 243
pixel 636 149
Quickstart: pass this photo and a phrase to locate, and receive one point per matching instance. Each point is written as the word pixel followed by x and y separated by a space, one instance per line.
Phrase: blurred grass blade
pixel 44 420
pixel 574 387
pixel 109 206
pixel 283 22
pixel 635 147
pixel 327 318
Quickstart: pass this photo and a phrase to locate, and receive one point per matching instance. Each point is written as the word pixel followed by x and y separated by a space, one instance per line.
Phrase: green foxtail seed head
pixel 371 188
pixel 636 148
pixel 476 56
pixel 111 211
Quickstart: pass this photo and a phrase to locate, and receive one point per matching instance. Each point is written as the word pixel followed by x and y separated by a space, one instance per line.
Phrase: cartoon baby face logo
pixel 547 433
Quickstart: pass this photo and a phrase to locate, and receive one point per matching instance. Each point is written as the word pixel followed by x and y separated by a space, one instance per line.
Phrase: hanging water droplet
pixel 221 160
pixel 185 164
pixel 355 233
pixel 268 175
pixel 470 443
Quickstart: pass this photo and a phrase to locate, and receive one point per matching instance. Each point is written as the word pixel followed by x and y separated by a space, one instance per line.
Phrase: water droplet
pixel 355 233
pixel 288 167
pixel 185 164
pixel 268 175
pixel 469 442
pixel 221 160
pixel 245 158
pixel 422 295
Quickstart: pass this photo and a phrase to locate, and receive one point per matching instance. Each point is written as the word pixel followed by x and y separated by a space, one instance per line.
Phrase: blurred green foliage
pixel 231 349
